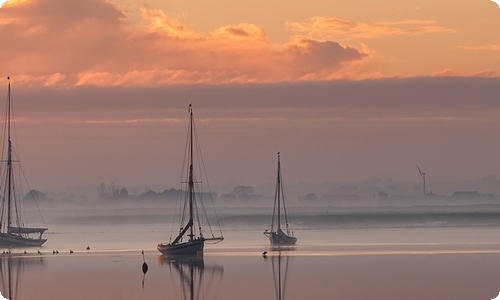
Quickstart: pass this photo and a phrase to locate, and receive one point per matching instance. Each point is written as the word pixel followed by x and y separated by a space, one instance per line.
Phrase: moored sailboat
pixel 190 239
pixel 276 235
pixel 13 232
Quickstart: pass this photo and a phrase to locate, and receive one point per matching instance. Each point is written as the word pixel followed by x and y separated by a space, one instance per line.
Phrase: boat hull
pixel 194 247
pixel 12 240
pixel 277 238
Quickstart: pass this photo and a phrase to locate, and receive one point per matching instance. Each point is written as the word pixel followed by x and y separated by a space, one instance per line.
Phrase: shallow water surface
pixel 430 263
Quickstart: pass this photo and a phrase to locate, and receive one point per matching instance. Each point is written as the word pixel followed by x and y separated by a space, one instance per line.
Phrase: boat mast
pixel 191 181
pixel 278 187
pixel 9 161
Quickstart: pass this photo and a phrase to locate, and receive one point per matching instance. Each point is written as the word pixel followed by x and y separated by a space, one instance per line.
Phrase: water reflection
pixel 196 280
pixel 11 270
pixel 280 263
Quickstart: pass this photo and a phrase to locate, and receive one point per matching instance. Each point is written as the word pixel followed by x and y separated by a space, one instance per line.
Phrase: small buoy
pixel 70 251
pixel 88 247
pixel 144 264
pixel 53 251
pixel 264 254
pixel 25 252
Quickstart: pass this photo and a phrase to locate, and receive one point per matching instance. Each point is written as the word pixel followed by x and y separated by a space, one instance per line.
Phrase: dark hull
pixel 12 240
pixel 188 248
pixel 277 238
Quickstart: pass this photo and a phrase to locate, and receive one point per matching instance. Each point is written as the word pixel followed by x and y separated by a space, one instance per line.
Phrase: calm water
pixel 414 262
pixel 408 263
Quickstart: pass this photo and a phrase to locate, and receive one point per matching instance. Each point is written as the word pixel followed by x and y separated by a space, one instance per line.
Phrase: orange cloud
pixel 92 42
pixel 484 73
pixel 159 22
pixel 243 31
pixel 6 3
pixel 483 47
pixel 334 28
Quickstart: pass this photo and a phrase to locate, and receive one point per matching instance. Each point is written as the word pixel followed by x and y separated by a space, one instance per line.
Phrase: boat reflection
pixel 196 280
pixel 280 262
pixel 11 270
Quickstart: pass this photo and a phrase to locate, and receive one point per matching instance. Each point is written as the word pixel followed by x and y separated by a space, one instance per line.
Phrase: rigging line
pixel 200 154
pixel 4 133
pixel 275 200
pixel 173 222
pixel 4 141
pixel 16 151
pixel 205 215
pixel 195 204
pixel 5 206
pixel 2 211
pixel 19 220
pixel 33 197
pixel 181 198
pixel 200 192
pixel 16 192
pixel 183 212
pixel 284 205
pixel 14 128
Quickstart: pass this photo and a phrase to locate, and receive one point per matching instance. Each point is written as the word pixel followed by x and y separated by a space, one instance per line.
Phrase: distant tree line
pixel 242 192
pixel 112 193
pixel 37 196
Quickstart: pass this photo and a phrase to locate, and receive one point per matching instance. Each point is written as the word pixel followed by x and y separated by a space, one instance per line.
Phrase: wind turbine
pixel 423 177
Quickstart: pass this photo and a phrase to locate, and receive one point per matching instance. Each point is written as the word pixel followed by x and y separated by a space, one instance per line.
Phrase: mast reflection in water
pixel 196 280
pixel 280 264
pixel 11 271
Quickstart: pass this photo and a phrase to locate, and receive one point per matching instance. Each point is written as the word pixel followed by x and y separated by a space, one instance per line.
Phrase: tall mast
pixel 191 181
pixel 278 186
pixel 9 160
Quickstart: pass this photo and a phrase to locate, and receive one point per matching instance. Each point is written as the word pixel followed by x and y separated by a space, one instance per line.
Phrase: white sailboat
pixel 276 235
pixel 190 239
pixel 13 232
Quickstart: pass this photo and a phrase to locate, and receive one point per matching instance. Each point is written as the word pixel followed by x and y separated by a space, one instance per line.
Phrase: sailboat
pixel 13 232
pixel 190 239
pixel 276 235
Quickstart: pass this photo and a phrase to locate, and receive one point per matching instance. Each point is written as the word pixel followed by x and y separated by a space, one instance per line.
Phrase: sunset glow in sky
pixel 131 43
pixel 350 89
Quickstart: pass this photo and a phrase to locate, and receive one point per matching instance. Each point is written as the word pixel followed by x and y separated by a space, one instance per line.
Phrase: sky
pixel 345 90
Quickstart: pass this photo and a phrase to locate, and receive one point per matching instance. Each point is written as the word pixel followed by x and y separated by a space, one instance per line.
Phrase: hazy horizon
pixel 347 131
pixel 345 91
